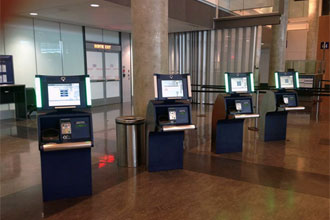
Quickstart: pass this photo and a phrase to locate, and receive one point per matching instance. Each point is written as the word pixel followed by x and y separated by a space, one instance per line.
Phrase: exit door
pixel 104 70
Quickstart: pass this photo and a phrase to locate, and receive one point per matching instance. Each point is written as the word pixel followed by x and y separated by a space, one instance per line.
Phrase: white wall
pixel 296 45
pixel 126 66
pixel 19 42
pixel 41 47
pixel 2 49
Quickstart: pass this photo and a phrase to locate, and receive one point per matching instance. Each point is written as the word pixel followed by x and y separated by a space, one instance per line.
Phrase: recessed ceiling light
pixel 33 13
pixel 95 5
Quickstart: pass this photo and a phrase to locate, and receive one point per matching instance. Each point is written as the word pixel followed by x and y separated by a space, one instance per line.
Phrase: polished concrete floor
pixel 275 180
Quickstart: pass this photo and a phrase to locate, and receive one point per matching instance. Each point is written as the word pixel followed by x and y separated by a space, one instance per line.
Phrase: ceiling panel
pixel 107 16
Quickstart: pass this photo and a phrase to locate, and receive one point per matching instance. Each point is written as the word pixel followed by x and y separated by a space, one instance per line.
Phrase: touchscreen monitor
pixel 172 88
pixel 287 80
pixel 65 94
pixel 62 92
pixel 239 82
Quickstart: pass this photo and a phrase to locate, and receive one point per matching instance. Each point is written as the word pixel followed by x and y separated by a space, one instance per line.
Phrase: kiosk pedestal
pixel 65 136
pixel 229 113
pixel 226 129
pixel 66 174
pixel 166 121
pixel 274 113
pixel 276 105
pixel 65 165
pixel 165 150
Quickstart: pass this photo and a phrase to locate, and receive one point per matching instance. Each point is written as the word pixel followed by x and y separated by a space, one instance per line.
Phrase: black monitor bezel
pixel 46 80
pixel 231 75
pixel 289 73
pixel 158 78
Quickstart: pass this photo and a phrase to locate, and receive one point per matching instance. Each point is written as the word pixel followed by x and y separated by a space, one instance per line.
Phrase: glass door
pixel 112 77
pixel 95 69
pixel 104 70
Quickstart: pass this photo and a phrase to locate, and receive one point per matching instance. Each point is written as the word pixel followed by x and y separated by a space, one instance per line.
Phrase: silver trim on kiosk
pixel 155 87
pixel 189 86
pixel 66 146
pixel 178 127
pixel 239 116
pixel 294 108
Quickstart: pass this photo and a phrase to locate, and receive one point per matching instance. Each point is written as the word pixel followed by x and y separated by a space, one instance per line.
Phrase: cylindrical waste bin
pixel 130 141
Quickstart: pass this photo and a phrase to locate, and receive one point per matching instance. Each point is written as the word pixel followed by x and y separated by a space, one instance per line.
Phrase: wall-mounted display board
pixel 6 69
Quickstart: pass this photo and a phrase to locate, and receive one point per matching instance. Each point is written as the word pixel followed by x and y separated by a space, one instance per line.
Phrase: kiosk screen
pixel 172 88
pixel 65 94
pixel 286 82
pixel 239 84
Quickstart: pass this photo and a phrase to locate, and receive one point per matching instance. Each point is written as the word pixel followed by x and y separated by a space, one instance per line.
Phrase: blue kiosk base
pixel 66 173
pixel 275 126
pixel 229 136
pixel 165 151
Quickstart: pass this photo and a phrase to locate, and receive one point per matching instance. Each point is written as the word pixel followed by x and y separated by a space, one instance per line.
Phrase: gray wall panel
pixel 207 55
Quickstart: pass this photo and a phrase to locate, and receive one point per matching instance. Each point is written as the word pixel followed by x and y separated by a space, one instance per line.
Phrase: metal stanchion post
pixel 318 101
pixel 257 109
pixel 255 128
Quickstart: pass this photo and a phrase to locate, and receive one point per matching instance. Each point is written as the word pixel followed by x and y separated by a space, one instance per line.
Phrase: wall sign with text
pixel 102 47
pixel 325 45
pixel 6 69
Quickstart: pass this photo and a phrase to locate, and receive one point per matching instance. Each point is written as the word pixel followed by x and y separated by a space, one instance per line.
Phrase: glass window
pixel 93 34
pixel 111 37
pixel 48 48
pixel 73 49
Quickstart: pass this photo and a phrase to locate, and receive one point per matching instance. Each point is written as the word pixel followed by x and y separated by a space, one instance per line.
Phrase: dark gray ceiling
pixel 190 11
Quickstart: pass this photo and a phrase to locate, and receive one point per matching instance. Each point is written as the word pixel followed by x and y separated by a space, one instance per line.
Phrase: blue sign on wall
pixel 6 69
pixel 324 45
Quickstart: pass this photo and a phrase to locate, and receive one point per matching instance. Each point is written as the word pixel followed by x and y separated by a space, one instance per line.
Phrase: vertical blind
pixel 207 55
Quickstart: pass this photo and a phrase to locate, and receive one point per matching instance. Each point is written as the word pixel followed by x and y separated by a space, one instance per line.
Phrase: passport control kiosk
pixel 276 105
pixel 65 135
pixel 229 112
pixel 168 116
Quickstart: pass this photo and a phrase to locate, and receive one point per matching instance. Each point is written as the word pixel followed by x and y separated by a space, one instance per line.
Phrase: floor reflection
pixel 284 168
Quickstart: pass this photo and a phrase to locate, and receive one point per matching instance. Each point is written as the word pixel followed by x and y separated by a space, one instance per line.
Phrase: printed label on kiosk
pixel 66 129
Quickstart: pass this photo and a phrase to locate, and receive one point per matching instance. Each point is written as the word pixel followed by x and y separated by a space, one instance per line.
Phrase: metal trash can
pixel 130 141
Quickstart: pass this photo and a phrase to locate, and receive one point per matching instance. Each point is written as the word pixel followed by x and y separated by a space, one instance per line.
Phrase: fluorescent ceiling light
pixel 33 13
pixel 95 5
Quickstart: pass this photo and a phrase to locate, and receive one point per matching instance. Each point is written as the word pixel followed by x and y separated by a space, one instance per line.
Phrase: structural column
pixel 150 49
pixel 278 45
pixel 313 21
